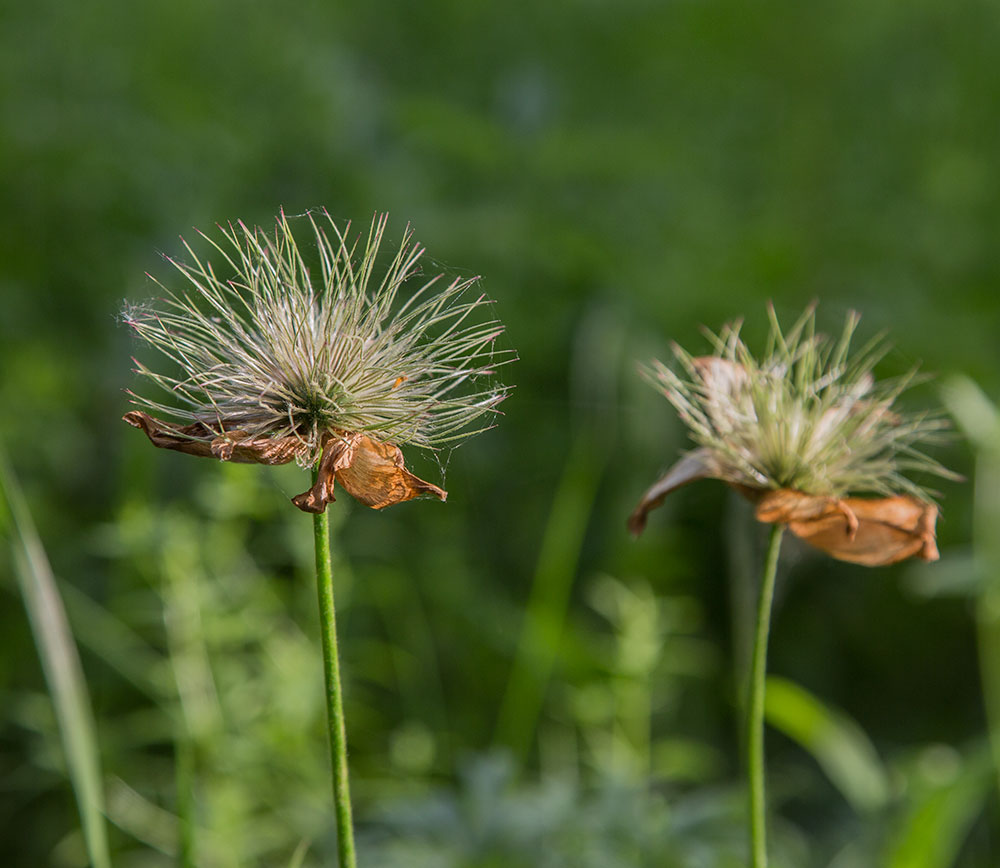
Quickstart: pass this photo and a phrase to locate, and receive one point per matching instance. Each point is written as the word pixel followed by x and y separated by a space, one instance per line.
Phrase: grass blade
pixel 979 419
pixel 545 615
pixel 598 347
pixel 941 813
pixel 838 744
pixel 299 856
pixel 61 665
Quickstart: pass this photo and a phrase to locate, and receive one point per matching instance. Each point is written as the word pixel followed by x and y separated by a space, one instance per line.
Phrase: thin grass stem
pixel 755 704
pixel 184 776
pixel 60 665
pixel 545 615
pixel 334 695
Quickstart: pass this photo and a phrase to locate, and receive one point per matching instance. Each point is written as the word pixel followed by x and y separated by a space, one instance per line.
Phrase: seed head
pixel 808 415
pixel 808 418
pixel 278 348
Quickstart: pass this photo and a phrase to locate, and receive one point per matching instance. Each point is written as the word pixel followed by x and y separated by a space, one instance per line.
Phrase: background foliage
pixel 526 684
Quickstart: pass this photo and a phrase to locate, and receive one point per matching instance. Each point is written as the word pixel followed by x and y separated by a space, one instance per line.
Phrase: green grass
pixel 67 684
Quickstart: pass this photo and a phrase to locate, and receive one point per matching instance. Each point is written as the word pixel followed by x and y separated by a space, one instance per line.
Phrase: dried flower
pixel 274 366
pixel 799 431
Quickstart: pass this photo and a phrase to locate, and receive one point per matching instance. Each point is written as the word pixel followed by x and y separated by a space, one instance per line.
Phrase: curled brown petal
pixel 371 472
pixel 377 476
pixel 338 452
pixel 873 532
pixel 786 505
pixel 695 465
pixel 207 442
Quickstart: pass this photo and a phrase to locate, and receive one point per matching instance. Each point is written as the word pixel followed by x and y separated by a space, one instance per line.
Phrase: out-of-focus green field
pixel 620 174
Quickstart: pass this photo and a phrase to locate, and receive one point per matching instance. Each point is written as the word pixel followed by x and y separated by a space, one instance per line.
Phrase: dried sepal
pixel 873 531
pixel 378 476
pixel 338 452
pixel 207 442
pixel 695 465
pixel 371 472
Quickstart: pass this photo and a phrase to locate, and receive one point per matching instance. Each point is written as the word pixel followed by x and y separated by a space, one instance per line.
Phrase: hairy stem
pixel 334 697
pixel 755 703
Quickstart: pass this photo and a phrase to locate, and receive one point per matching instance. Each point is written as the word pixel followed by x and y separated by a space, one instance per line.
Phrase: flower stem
pixel 334 698
pixel 755 703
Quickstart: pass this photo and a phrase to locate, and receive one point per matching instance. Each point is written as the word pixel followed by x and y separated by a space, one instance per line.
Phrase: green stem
pixel 755 704
pixel 334 697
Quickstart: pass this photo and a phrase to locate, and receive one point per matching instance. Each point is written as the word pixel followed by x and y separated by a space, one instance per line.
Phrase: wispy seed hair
pixel 808 415
pixel 266 348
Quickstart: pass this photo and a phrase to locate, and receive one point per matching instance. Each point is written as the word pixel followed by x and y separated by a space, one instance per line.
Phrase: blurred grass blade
pixel 598 346
pixel 838 744
pixel 979 419
pixel 299 856
pixel 184 774
pixel 146 822
pixel 62 668
pixel 937 823
pixel 546 609
pixel 977 416
pixel 115 643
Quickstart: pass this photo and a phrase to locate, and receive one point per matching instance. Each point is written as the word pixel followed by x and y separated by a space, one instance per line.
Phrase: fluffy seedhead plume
pixel 280 348
pixel 801 428
pixel 808 415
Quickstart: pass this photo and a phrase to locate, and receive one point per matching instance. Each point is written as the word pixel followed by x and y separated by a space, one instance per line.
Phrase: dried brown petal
pixel 224 445
pixel 378 477
pixel 338 452
pixel 694 465
pixel 869 531
pixel 371 472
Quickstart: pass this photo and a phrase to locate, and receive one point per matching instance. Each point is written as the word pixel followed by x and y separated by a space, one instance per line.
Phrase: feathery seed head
pixel 808 415
pixel 278 348
pixel 800 429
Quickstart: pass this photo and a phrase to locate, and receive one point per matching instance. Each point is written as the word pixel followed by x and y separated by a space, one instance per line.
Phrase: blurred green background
pixel 526 684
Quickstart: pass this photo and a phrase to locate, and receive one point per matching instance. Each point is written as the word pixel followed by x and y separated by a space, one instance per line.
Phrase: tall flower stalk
pixel 800 432
pixel 336 725
pixel 277 353
pixel 757 803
